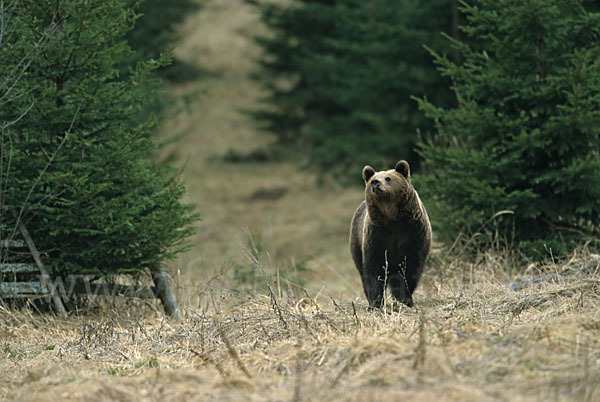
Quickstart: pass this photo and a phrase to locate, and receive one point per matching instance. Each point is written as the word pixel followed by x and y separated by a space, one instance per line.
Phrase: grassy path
pixel 286 213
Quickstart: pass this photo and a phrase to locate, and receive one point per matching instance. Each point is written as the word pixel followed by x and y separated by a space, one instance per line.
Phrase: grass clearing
pixel 468 338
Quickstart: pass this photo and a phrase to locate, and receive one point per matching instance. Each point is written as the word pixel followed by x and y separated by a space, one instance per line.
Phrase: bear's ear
pixel 368 172
pixel 403 168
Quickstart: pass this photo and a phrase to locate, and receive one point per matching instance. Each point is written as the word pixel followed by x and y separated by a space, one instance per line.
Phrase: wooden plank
pixel 12 243
pixel 21 289
pixel 44 277
pixel 25 289
pixel 17 268
pixel 82 286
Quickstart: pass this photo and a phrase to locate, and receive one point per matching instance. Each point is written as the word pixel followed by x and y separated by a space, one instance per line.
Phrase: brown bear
pixel 390 235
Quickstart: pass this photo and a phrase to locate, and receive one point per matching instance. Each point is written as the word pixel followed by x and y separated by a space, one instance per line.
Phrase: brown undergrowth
pixel 469 338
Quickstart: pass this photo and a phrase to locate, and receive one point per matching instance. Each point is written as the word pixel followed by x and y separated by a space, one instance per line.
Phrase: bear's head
pixel 389 188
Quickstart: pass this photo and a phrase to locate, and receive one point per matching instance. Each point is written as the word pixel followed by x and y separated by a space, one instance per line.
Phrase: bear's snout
pixel 377 187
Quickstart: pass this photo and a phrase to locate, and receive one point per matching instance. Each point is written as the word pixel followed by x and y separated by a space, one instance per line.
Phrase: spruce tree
pixel 155 32
pixel 521 149
pixel 340 75
pixel 76 163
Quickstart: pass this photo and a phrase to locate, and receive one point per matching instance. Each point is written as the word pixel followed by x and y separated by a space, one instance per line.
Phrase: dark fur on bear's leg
pixel 374 290
pixel 403 284
pixel 400 290
pixel 390 235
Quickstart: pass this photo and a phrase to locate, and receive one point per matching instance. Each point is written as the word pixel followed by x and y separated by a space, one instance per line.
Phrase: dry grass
pixel 469 337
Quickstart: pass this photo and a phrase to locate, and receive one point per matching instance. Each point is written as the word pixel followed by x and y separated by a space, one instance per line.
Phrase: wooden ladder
pixel 10 285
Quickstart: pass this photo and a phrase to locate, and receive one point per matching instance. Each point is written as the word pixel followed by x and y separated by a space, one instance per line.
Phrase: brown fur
pixel 390 235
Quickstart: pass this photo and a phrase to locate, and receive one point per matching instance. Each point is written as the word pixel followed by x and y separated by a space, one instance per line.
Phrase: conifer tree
pixel 340 75
pixel 155 32
pixel 521 149
pixel 75 163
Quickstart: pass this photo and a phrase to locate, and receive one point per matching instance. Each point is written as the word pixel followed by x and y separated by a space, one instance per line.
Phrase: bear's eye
pixel 387 179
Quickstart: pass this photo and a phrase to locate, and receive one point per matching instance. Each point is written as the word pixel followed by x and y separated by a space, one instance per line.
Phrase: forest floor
pixel 272 305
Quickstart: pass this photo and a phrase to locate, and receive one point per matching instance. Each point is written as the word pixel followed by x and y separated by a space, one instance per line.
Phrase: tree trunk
pixel 164 293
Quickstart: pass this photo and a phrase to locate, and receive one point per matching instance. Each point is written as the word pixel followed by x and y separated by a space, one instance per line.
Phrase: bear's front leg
pixel 404 280
pixel 373 286
pixel 400 289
